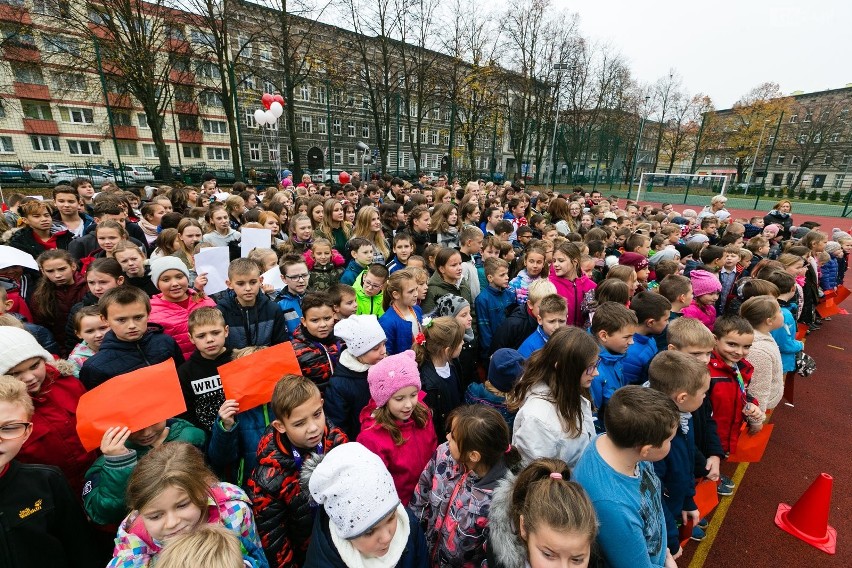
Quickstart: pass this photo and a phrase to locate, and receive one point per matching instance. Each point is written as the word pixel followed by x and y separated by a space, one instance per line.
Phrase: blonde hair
pixel 539 289
pixel 211 546
pixel 14 391
pixel 362 229
pixel 689 332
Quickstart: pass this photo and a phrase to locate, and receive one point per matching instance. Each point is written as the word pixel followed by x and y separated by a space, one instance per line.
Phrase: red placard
pixel 250 380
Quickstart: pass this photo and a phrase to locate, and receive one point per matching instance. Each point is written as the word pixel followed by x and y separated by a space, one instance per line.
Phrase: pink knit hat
pixel 392 374
pixel 704 282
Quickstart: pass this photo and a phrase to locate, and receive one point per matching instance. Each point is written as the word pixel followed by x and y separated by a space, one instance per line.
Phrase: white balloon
pixel 260 117
pixel 270 117
pixel 276 109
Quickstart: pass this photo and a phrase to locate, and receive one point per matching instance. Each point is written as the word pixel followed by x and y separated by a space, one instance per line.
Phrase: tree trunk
pixel 155 122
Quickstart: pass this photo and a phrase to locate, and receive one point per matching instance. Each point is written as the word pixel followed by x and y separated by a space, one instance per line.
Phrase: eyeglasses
pixel 298 277
pixel 591 370
pixel 371 285
pixel 14 430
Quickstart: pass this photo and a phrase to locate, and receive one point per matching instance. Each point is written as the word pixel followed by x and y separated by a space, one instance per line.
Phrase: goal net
pixel 672 187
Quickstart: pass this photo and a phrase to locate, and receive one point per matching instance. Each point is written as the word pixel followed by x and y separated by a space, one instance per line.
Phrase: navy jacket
pixel 260 324
pixel 676 476
pixel 828 275
pixel 117 357
pixel 706 436
pixel 517 326
pixel 346 395
pixel 491 305
pixel 351 273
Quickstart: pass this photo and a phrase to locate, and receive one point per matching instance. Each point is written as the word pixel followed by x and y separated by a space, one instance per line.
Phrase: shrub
pixel 802 194
pixel 812 195
pixel 824 195
pixel 835 196
pixel 791 193
pixel 771 192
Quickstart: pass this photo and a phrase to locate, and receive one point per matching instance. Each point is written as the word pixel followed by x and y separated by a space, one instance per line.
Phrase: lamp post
pixel 636 151
pixel 759 140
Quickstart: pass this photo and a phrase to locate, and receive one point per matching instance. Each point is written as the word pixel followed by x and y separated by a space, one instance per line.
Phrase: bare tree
pixel 667 93
pixel 681 130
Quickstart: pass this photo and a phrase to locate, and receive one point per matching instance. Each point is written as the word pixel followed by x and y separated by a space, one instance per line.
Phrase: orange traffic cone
pixel 807 520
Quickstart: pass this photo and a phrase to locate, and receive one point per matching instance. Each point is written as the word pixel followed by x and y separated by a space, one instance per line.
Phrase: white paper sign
pixel 254 238
pixel 11 256
pixel 214 262
pixel 273 277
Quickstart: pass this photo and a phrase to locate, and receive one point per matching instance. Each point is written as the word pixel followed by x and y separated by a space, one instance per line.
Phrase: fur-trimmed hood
pixel 505 547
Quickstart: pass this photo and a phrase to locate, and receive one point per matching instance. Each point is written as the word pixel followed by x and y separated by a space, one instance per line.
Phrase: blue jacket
pixel 491 305
pixel 785 337
pixel 233 453
pixel 393 265
pixel 346 395
pixel 117 357
pixel 261 324
pixel 677 478
pixel 609 379
pixel 828 275
pixel 533 343
pixel 398 331
pixel 638 358
pixel 291 307
pixel 351 273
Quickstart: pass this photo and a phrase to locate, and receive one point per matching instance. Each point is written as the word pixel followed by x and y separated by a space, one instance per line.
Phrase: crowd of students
pixel 490 376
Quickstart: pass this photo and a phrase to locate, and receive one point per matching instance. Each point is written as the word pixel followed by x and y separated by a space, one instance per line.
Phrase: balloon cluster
pixel 274 105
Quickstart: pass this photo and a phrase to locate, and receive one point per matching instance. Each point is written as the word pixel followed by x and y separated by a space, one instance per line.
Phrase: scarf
pixel 354 559
pixel 149 229
pixel 349 361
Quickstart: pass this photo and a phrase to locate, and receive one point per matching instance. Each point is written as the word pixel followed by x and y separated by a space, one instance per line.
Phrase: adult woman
pixel 780 215
pixel 368 225
pixel 334 227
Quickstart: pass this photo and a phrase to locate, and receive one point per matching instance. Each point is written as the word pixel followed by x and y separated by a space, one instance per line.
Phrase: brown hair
pixel 110 224
pixel 636 417
pixel 480 428
pixel 395 283
pixel 205 316
pixel 176 464
pixel 612 317
pixel 441 333
pixel 673 372
pixel 44 297
pixel 123 296
pixel 291 391
pixel 552 304
pixel 758 309
pixel 85 312
pixel 612 290
pixel 384 419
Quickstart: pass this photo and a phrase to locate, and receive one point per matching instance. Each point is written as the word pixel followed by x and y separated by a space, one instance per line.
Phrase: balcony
pixel 126 132
pixel 38 126
pixel 177 45
pixel 119 100
pixel 182 107
pixel 190 136
pixel 21 53
pixel 16 14
pixel 31 91
pixel 182 77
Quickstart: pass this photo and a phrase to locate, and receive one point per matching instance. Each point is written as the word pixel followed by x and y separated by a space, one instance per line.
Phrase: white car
pixel 322 175
pixel 136 174
pixel 42 172
pixel 98 177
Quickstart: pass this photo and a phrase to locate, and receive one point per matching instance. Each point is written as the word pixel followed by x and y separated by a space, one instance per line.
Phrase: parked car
pixel 13 173
pixel 136 174
pixel 158 173
pixel 321 176
pixel 98 177
pixel 42 172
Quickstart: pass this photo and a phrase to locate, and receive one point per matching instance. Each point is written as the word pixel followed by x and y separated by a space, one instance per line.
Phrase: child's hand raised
pixel 200 282
pixel 113 441
pixel 227 412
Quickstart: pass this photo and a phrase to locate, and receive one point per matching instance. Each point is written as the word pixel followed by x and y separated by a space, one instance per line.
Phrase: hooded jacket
pixel 290 305
pixel 609 379
pixel 491 305
pixel 576 292
pixel 175 318
pixel 260 324
pixel 638 358
pixel 367 305
pixel 438 287
pixel 405 462
pixel 347 394
pixel 317 357
pixel 728 399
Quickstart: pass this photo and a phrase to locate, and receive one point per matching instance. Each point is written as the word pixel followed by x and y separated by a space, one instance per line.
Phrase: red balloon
pixel 278 99
pixel 267 100
pixel 345 177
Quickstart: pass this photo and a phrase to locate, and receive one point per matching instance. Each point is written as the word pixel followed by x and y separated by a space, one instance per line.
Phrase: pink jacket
pixel 406 462
pixel 574 292
pixel 706 314
pixel 175 318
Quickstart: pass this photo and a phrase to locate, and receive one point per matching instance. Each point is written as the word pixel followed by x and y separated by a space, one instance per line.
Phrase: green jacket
pixel 106 480
pixel 437 287
pixel 369 305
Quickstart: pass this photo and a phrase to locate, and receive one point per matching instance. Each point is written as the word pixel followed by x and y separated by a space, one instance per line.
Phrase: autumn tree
pixel 680 133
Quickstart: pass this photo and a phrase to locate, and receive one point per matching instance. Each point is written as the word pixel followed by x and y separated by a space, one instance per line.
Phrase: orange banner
pixel 842 294
pixel 750 448
pixel 250 380
pixel 801 331
pixel 827 308
pixel 136 400
pixel 706 499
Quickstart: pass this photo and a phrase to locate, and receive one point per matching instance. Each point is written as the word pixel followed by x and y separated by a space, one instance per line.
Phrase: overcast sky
pixel 723 48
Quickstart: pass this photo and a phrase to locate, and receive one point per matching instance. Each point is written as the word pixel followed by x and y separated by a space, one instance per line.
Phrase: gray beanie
pixel 16 346
pixel 164 263
pixel 449 305
pixel 355 488
pixel 832 246
pixel 666 254
pixel 360 333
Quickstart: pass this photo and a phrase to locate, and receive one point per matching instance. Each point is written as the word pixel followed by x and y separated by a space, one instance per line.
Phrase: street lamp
pixel 636 151
pixel 558 67
pixel 759 140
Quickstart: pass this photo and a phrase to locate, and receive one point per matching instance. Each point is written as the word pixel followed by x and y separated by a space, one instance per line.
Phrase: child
pixel 504 370
pixel 730 376
pixel 301 233
pixel 540 516
pixel 211 546
pixel 37 233
pixel 448 279
pixel 785 336
pixel 705 291
pixel 551 316
pixel 828 277
pixel 121 449
pixel 490 249
pixel 348 391
pixel 135 267
pixel 199 376
pixel 59 289
pixel 453 495
pixel 299 429
pixel 236 208
pixel 103 275
pixel 67 215
pixel 492 302
pixel 325 265
pixel 616 472
pixel 521 321
pixel 174 304
pixel 130 343
pixel 652 315
pixel 294 269
pixel 361 522
pixel 767 381
pixel 362 257
pixel 108 233
pixel 419 221
pixel 554 413
pixel 613 328
pixel 173 478
pixel 251 316
pixel 344 300
pixel 403 248
pixel 639 264
pixel 369 290
pixel 314 342
pixel 55 392
pixel 442 341
pixel 685 381
pixel 570 282
pixel 728 275
pixel 89 326
pixel 395 424
pixel 222 233
pixel 471 245
pixel 465 363
pixel 677 290
pixel 402 318
pixel 49 527
pixel 815 241
pixel 534 261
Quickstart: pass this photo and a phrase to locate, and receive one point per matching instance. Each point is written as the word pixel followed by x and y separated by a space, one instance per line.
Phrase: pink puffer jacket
pixel 174 318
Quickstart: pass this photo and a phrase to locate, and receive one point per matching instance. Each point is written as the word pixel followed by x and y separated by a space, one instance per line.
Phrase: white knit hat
pixel 16 346
pixel 355 487
pixel 360 333
pixel 164 263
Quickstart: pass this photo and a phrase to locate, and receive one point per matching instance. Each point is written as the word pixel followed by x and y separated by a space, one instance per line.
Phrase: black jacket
pixel 24 239
pixel 42 522
pixel 346 395
pixel 442 395
pixel 517 326
pixel 202 388
pixel 84 246
pixel 261 324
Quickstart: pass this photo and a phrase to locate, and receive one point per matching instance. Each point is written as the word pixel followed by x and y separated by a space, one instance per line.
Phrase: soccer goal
pixel 669 187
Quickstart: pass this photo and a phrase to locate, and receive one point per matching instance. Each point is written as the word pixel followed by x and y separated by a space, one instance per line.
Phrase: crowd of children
pixel 490 377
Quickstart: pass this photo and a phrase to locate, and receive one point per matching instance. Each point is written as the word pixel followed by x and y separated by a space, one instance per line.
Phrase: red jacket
pixel 406 462
pixel 728 399
pixel 174 318
pixel 54 439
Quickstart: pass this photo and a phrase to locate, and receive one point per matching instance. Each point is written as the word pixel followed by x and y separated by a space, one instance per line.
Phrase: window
pixel 322 125
pixel 447 140
pixel 727 161
pixel 350 126
pixel 175 33
pixel 77 115
pixel 18 36
pixel 207 70
pixel 794 160
pixel 436 114
pixel 188 122
pixel 365 103
pixel 268 87
pixel 706 161
pixel 403 162
pixel 835 137
pixel 218 154
pixel 183 94
pixel 794 118
pixel 202 38
pixel 28 74
pixel 436 134
pixel 845 160
pixel 336 127
pixel 250 122
pixel 126 148
pixel 305 92
pixel 40 111
pixel 424 136
pixel 337 98
pixel 210 99
pixel 780 160
pixel 254 151
pixel 717 160
pixel 57 8
pixel 365 131
pixel 307 124
pixel 121 118
pixel 838 181
pixel 265 52
pixel 352 157
pixel 827 160
pixel 6 146
pixel 401 134
pixel 61 44
pixel 320 95
pixel 338 157
pixel 273 153
pixel 45 143
pixel 142 120
pixel 68 81
pixel 803 138
pixel 84 148
pixel 248 82
pixel 215 126
pixel 809 115
pixel 150 151
pixel 192 151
